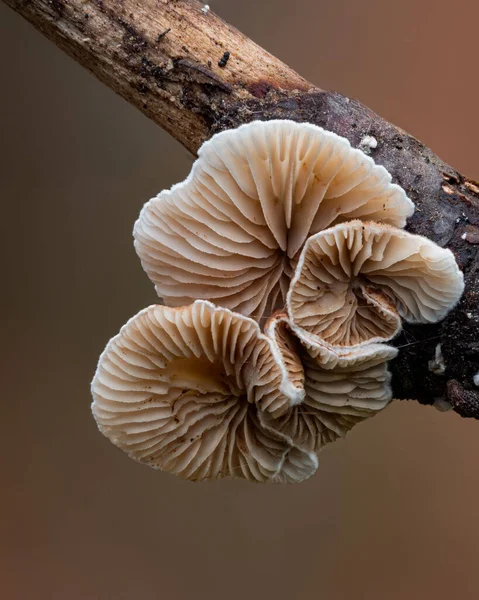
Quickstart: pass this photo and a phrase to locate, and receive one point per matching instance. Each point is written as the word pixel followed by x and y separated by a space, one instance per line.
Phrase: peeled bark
pixel 195 75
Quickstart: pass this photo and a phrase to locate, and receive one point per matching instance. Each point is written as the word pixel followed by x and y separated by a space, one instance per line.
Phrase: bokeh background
pixel 393 510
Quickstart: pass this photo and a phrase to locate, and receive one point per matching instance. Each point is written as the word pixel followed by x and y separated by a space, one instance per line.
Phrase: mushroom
pixel 340 387
pixel 355 281
pixel 232 231
pixel 179 388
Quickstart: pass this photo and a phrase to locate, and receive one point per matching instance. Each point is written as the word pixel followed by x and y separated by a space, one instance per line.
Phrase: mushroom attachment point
pixel 340 388
pixel 355 281
pixel 179 389
pixel 232 232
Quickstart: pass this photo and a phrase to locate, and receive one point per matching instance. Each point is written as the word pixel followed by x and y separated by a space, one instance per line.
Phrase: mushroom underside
pixel 355 281
pixel 233 231
pixel 332 391
pixel 280 224
pixel 177 390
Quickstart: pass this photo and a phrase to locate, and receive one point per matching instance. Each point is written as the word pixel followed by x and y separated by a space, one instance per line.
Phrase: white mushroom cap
pixel 177 389
pixel 354 281
pixel 342 388
pixel 232 231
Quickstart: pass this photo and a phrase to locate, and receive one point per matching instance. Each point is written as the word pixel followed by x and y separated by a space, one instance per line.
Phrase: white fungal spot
pixel 475 379
pixel 469 315
pixel 464 236
pixel 368 143
pixel 437 365
pixel 206 9
pixel 442 405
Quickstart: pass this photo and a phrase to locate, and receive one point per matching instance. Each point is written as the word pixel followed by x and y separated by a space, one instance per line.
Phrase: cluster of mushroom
pixel 283 268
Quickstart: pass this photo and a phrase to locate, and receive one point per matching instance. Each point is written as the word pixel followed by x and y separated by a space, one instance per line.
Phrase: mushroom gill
pixel 233 230
pixel 179 388
pixel 286 350
pixel 341 388
pixel 356 280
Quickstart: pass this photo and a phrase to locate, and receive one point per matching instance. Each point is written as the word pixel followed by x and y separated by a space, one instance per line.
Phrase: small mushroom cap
pixel 232 231
pixel 342 388
pixel 355 280
pixel 178 389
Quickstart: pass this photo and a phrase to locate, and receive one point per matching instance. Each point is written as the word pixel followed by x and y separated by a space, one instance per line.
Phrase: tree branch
pixel 195 75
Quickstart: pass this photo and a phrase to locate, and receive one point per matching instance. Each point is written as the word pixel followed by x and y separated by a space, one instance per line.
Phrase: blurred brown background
pixel 392 513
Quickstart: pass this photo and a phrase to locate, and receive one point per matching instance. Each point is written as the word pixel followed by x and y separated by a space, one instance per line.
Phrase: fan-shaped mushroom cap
pixel 354 281
pixel 177 389
pixel 232 231
pixel 341 389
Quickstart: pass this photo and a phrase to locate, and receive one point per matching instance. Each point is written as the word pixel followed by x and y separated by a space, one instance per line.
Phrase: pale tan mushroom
pixel 340 388
pixel 179 388
pixel 356 280
pixel 232 232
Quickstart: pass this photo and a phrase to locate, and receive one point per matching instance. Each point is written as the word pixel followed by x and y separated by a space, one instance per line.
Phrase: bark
pixel 195 75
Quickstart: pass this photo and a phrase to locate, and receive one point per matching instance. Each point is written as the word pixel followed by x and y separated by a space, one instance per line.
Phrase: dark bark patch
pixel 259 89
pixel 133 41
pixel 465 402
